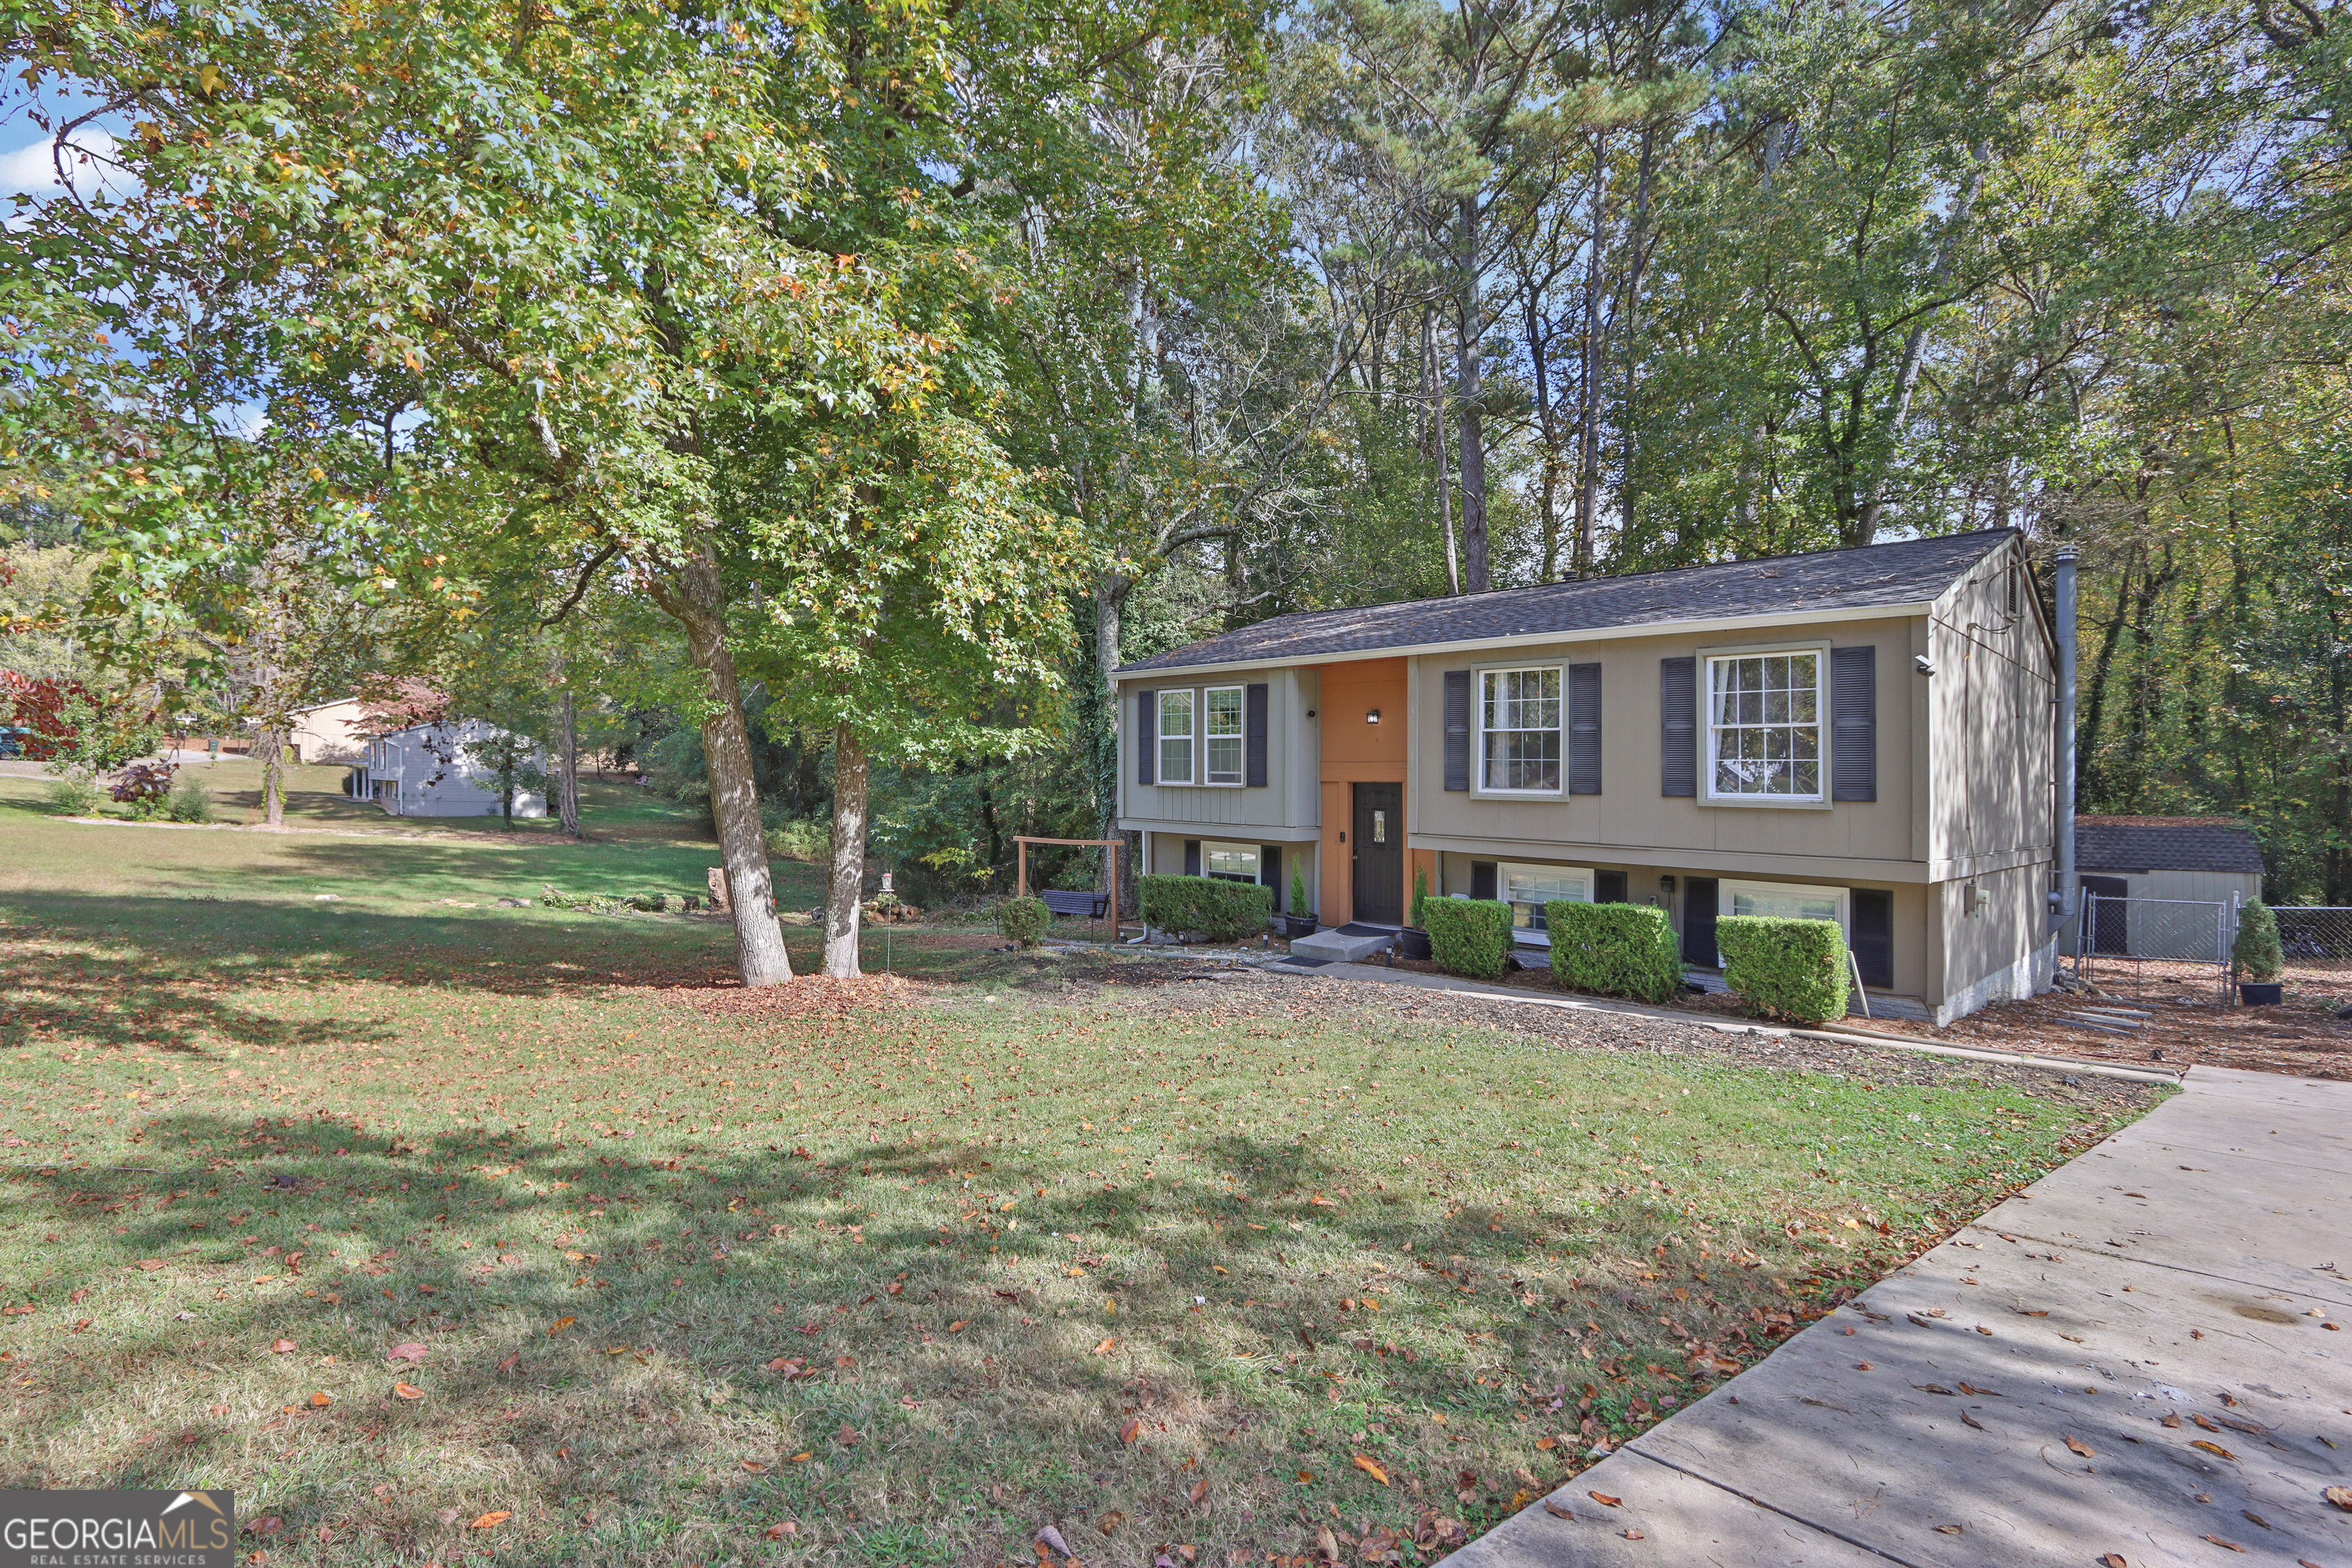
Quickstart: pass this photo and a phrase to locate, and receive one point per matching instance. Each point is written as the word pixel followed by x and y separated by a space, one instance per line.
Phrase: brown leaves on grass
pixel 321 1400
pixel 805 996
pixel 282 1347
pixel 495 1516
pixel 411 1352
pixel 1372 1468
pixel 407 1391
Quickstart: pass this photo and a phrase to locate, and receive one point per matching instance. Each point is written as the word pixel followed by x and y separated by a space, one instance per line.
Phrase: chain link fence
pixel 2137 943
pixel 2316 936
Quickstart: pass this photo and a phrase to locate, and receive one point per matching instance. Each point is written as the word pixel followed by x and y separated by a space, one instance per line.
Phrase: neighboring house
pixel 426 770
pixel 336 732
pixel 1757 737
pixel 2182 860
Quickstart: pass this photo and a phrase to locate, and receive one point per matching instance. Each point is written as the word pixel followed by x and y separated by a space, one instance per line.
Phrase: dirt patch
pixel 2186 1027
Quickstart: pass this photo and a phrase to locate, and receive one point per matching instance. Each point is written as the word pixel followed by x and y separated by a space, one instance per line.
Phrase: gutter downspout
pixel 2064 897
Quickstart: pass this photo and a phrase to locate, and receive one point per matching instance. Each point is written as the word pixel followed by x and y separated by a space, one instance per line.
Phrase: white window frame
pixel 1558 672
pixel 1727 889
pixel 1210 847
pixel 1239 737
pixel 1503 870
pixel 1189 700
pixel 1710 659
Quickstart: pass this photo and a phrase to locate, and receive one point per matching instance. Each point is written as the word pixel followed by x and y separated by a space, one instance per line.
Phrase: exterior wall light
pixel 1371 715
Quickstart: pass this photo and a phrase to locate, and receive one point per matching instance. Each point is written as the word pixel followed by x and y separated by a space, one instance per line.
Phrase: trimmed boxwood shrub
pixel 2257 953
pixel 1780 968
pixel 1616 949
pixel 1469 936
pixel 1024 920
pixel 1221 911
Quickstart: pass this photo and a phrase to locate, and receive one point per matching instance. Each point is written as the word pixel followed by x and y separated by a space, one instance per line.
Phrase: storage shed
pixel 2208 858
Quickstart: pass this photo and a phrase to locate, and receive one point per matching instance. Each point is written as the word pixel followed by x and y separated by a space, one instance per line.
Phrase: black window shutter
pixel 1191 856
pixel 1700 897
pixel 1854 723
pixel 1147 734
pixel 1872 914
pixel 1269 871
pixel 1482 878
pixel 1584 728
pixel 1254 702
pixel 1678 731
pixel 1457 729
pixel 1608 887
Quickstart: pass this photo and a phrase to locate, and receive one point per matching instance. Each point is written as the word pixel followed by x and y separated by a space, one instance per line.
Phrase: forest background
pixel 882 376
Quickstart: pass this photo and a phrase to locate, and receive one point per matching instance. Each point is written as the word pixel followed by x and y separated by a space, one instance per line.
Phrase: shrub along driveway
pixel 2141 1359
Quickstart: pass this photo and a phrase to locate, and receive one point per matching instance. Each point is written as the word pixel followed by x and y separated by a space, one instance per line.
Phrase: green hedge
pixel 1221 911
pixel 1024 920
pixel 1469 936
pixel 1616 949
pixel 2257 953
pixel 1792 969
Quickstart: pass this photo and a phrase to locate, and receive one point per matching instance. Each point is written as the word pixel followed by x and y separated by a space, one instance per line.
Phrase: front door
pixel 1379 854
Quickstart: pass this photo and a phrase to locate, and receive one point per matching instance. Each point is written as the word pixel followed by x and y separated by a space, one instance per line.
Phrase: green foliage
pixel 1297 891
pixel 1203 905
pixel 1024 920
pixel 810 838
pixel 73 794
pixel 191 800
pixel 1616 949
pixel 1786 969
pixel 1469 936
pixel 2256 954
pixel 1420 894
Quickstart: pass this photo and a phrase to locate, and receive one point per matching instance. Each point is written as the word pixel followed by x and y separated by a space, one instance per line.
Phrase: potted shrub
pixel 1413 941
pixel 2257 957
pixel 1298 923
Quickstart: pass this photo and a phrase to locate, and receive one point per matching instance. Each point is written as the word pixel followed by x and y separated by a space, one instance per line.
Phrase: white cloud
pixel 34 169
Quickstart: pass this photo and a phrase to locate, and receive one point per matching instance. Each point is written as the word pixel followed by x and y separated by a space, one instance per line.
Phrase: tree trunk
pixel 1588 391
pixel 1538 355
pixel 698 602
pixel 847 891
pixel 1110 610
pixel 1477 577
pixel 567 776
pixel 272 742
pixel 1444 485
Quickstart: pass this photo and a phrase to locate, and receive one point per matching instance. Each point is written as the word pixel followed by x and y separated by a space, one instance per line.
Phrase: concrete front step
pixel 1342 944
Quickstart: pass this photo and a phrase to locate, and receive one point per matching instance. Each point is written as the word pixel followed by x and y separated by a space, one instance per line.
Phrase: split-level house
pixel 1862 735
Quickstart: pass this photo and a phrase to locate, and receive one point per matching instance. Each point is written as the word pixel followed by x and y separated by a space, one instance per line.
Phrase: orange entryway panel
pixel 1357 749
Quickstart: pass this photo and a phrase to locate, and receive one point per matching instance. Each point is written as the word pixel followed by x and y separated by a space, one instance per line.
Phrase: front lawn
pixel 889 1273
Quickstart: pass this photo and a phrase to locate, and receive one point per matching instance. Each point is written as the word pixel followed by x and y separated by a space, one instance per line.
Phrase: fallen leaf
pixel 283 1346
pixel 1325 1544
pixel 778 1531
pixel 2212 1448
pixel 148 1265
pixel 846 1437
pixel 320 1401
pixel 512 1365
pixel 1557 1511
pixel 1372 1469
pixel 757 1467
pixel 1948 1529
pixel 959 1326
pixel 560 1324
pixel 407 1391
pixel 801 1458
pixel 1545 1444
pixel 2231 1545
pixel 784 1364
pixel 1969 1420
pixel 1051 1537
pixel 411 1353
pixel 495 1517
pixel 267 1524
pixel 1108 1523
pixel 1106 1347
pixel 1129 1429
pixel 1605 1500
pixel 2340 1495
pixel 2082 1447
pixel 1633 1534
pixel 1939 1389
pixel 1199 1491
pixel 2171 1419
pixel 1305 1477
pixel 2114 1560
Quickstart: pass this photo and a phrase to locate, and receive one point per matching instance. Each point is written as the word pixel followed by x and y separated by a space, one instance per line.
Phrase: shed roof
pixel 2166 844
pixel 1872 576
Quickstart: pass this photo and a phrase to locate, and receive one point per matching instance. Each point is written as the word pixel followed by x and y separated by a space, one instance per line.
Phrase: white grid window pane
pixel 1175 737
pixel 1228 862
pixel 1787 906
pixel 1519 722
pixel 1528 889
pixel 1223 723
pixel 1764 725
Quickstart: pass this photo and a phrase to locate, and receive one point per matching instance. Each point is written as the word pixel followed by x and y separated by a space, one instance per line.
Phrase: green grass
pixel 1032 1248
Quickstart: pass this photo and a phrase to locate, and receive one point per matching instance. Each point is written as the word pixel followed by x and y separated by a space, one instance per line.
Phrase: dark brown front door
pixel 1379 854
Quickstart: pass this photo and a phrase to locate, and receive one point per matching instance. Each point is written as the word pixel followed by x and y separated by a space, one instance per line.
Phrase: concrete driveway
pixel 2145 1360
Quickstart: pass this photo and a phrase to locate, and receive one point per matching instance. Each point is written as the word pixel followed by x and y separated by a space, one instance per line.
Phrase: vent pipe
pixel 2066 898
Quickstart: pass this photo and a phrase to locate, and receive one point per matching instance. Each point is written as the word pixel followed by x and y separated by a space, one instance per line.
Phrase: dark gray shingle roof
pixel 1904 571
pixel 2165 844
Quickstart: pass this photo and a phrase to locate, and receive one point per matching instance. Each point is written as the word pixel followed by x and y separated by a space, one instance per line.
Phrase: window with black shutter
pixel 1679 728
pixel 1253 735
pixel 1854 723
pixel 1584 728
pixel 1146 733
pixel 1457 729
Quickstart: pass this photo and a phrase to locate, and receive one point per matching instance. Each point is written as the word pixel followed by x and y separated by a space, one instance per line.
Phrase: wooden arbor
pixel 1021 875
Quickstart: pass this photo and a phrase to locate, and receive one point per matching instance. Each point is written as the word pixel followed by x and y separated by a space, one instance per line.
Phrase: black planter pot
pixel 1296 926
pixel 2261 993
pixel 1412 942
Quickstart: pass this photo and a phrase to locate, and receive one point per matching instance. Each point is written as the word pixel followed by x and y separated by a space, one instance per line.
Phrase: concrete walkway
pixel 2147 1354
